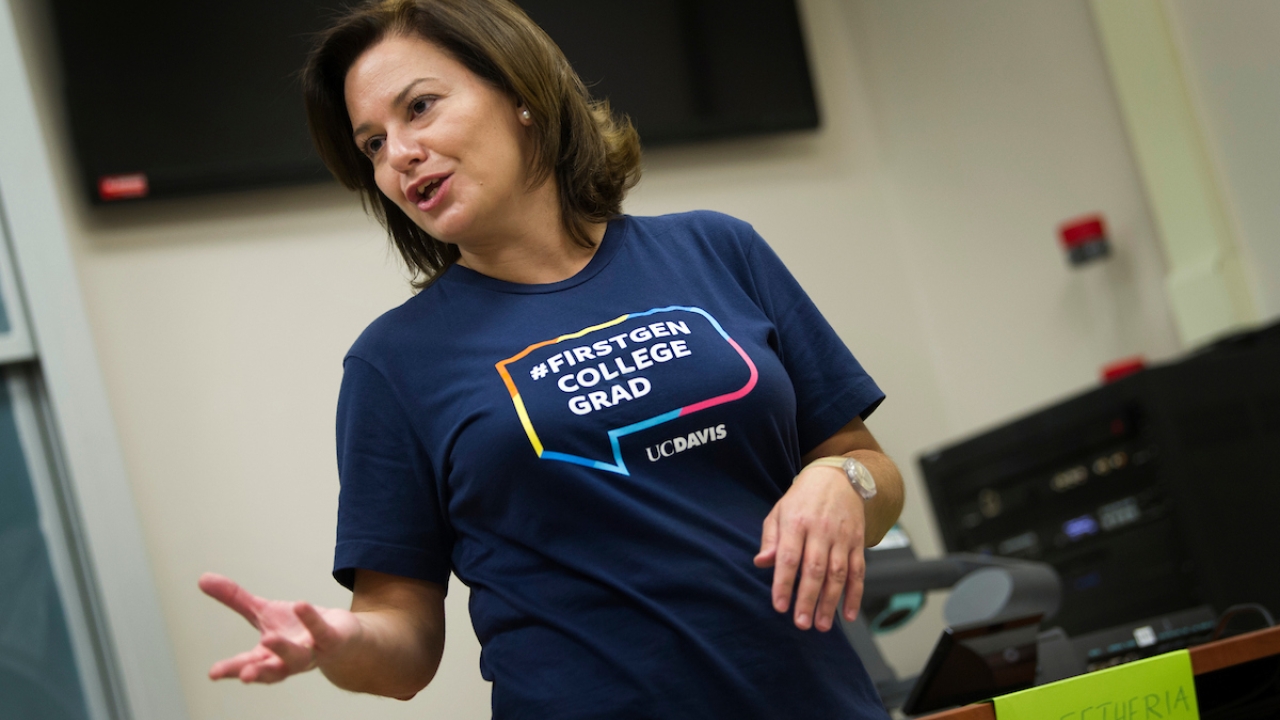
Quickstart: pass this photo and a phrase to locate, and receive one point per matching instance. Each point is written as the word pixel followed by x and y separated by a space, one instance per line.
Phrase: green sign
pixel 1158 688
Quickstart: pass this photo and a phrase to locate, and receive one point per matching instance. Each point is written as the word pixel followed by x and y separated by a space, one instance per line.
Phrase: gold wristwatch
pixel 858 474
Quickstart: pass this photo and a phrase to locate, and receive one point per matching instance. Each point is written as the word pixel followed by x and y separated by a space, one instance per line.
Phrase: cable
pixel 1235 610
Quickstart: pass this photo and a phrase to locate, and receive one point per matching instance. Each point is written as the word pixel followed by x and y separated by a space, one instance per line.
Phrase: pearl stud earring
pixel 526 115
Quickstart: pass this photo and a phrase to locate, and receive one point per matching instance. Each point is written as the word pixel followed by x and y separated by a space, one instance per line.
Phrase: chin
pixel 451 227
pixel 434 228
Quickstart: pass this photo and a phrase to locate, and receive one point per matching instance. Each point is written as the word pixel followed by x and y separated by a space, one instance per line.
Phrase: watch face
pixel 861 478
pixel 851 469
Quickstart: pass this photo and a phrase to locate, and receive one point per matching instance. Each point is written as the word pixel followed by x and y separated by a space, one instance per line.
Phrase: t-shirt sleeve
pixel 390 512
pixel 830 385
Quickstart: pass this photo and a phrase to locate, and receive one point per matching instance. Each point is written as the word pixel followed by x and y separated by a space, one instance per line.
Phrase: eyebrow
pixel 395 102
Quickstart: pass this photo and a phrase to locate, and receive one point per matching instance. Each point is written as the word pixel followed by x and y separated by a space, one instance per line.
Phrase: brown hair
pixel 593 156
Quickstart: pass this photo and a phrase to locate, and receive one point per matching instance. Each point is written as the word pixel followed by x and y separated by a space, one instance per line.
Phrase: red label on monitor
pixel 1082 230
pixel 1123 368
pixel 122 187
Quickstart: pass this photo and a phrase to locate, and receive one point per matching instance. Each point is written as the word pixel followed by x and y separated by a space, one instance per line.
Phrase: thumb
pixel 768 541
pixel 323 635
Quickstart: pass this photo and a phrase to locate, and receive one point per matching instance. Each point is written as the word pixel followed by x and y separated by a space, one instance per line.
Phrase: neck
pixel 538 252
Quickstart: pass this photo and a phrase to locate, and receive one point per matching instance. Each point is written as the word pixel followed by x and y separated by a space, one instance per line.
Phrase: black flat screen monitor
pixel 168 98
pixel 975 663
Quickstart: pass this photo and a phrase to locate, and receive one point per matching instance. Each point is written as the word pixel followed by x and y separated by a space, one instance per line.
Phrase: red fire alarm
pixel 1085 239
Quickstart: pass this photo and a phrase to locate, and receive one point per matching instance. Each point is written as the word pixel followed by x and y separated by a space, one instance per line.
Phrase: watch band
pixel 859 476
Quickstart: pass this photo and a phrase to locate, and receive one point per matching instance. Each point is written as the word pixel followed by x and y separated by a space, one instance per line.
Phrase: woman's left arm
pixel 819 528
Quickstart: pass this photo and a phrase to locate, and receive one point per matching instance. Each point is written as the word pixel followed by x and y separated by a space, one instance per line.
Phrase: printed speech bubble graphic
pixel 620 377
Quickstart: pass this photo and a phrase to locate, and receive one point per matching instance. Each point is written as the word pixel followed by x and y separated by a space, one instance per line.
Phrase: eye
pixel 371 146
pixel 421 104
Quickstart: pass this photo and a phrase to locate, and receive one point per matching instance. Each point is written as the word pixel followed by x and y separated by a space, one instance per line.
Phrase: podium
pixel 1240 674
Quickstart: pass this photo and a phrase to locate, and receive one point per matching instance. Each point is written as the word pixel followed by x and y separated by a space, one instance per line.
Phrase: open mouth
pixel 428 190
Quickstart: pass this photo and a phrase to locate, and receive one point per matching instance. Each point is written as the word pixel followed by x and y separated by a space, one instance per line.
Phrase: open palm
pixel 295 636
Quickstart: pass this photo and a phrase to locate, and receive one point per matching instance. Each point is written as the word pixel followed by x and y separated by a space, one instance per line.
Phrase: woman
pixel 598 422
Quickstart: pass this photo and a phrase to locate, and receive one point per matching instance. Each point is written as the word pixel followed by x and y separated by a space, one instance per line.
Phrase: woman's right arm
pixel 389 643
pixel 402 637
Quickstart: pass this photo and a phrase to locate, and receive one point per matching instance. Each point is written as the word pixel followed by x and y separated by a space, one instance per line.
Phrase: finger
pixel 270 670
pixel 817 555
pixel 323 636
pixel 790 549
pixel 832 588
pixel 231 667
pixel 768 541
pixel 229 593
pixel 853 584
pixel 296 657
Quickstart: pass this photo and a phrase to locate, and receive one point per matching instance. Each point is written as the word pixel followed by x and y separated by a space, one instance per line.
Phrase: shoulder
pixel 387 336
pixel 703 232
pixel 372 341
pixel 696 222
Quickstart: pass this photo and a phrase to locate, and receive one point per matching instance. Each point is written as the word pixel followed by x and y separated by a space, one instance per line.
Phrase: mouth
pixel 425 193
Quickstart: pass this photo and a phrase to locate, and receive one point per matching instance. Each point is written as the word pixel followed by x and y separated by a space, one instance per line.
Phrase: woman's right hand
pixel 296 636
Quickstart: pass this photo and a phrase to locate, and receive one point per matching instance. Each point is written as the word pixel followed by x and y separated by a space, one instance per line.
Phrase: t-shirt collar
pixel 614 234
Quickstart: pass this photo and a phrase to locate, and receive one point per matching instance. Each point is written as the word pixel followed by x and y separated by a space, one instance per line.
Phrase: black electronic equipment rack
pixel 1154 494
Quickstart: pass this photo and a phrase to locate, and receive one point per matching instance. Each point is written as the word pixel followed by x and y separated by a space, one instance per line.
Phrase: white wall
pixel 921 218
pixel 998 122
pixel 1232 64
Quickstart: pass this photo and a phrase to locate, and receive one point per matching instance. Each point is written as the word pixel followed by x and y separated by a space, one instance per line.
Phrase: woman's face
pixel 448 148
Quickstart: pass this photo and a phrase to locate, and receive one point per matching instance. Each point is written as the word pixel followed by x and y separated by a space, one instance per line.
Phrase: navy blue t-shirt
pixel 594 459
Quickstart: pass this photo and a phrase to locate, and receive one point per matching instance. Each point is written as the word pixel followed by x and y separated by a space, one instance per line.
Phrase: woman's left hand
pixel 817 532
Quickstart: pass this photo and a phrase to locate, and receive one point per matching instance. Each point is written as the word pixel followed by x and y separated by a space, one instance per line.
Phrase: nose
pixel 404 152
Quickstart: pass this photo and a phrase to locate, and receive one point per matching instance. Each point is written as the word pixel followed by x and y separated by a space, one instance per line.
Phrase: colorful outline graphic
pixel 619 465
